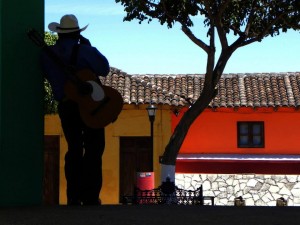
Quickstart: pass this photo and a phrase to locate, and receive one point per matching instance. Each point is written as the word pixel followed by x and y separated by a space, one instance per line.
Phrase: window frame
pixel 250 134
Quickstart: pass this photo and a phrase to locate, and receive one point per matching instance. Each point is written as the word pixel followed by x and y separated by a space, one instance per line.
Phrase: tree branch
pixel 194 39
pixel 249 23
pixel 207 7
pixel 210 55
pixel 243 41
pixel 236 30
pixel 220 66
pixel 223 7
pixel 150 3
pixel 221 33
pixel 219 25
pixel 249 41
pixel 266 31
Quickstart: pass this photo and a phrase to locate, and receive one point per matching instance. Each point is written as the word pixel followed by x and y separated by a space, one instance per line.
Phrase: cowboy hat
pixel 68 24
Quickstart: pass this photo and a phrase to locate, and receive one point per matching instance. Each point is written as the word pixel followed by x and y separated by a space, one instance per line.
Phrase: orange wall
pixel 132 122
pixel 216 131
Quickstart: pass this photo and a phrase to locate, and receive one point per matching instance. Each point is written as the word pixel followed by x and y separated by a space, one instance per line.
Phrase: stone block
pixel 291 203
pixel 261 177
pixel 289 185
pixel 208 193
pixel 255 197
pixel 271 203
pixel 199 177
pixel 231 198
pixel 274 189
pixel 297 185
pixel 260 203
pixel 230 190
pixel 226 176
pixel 277 178
pixel 223 201
pixel 270 181
pixel 229 181
pixel 242 185
pixel 222 195
pixel 179 176
pixel 206 185
pixel 265 187
pixel 292 178
pixel 295 193
pixel 215 186
pixel 222 185
pixel 203 177
pixel 236 188
pixel 246 190
pixel 223 189
pixel 247 196
pixel 239 193
pixel 280 185
pixel 284 191
pixel 238 177
pixel 261 193
pixel 276 195
pixel 250 202
pixel 252 183
pixel 235 182
pixel 297 201
pixel 267 198
pixel 212 177
pixel 258 186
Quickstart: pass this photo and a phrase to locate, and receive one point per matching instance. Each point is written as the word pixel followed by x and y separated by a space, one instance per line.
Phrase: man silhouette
pixel 83 160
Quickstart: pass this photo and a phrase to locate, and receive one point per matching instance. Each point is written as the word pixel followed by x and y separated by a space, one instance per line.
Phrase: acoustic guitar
pixel 99 105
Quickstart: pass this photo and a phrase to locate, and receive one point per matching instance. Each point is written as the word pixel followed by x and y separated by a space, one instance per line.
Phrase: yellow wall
pixel 133 121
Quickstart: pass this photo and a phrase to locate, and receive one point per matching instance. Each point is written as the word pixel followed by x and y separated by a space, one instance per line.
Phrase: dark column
pixel 21 104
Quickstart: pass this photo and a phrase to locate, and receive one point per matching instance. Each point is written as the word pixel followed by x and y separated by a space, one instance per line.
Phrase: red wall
pixel 216 132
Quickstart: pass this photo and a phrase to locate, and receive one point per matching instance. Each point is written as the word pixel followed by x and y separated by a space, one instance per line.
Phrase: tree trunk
pixel 177 138
pixel 208 94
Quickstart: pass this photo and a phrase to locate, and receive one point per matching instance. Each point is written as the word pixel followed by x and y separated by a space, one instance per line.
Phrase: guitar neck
pixel 56 59
pixel 69 70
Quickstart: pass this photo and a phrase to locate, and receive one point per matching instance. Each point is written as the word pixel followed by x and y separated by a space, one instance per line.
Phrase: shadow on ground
pixel 150 214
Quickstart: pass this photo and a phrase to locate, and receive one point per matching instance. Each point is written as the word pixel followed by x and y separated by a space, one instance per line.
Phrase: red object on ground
pixel 145 180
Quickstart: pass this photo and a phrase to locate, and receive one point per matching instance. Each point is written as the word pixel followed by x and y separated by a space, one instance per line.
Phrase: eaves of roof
pixel 234 90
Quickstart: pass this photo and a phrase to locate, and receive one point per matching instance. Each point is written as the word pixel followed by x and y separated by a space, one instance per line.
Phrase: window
pixel 250 134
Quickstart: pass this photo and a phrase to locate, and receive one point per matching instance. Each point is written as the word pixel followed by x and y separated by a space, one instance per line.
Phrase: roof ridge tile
pixel 235 89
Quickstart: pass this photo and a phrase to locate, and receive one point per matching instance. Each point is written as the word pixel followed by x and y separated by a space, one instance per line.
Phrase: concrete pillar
pixel 21 104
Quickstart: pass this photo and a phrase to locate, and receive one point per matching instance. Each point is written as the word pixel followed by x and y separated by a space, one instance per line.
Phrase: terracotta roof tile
pixel 234 90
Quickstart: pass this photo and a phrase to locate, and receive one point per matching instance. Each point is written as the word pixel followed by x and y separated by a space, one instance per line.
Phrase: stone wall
pixel 255 189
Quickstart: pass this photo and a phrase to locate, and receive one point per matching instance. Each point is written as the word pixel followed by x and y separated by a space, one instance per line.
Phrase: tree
pixel 248 20
pixel 50 105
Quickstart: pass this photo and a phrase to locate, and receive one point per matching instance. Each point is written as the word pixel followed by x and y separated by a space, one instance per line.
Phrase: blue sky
pixel 154 49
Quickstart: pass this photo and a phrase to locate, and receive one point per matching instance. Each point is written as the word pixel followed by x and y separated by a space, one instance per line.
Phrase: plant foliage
pixel 50 105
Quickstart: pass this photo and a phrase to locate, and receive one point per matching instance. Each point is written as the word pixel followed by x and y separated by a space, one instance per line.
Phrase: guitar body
pixel 99 108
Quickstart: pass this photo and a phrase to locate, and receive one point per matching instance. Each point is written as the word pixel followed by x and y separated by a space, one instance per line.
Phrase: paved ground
pixel 150 215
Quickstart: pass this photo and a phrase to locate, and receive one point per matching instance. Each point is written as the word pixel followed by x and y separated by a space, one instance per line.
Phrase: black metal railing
pixel 168 193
